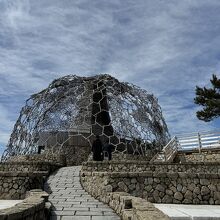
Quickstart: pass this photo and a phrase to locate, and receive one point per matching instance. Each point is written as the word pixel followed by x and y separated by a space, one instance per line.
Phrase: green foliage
pixel 209 99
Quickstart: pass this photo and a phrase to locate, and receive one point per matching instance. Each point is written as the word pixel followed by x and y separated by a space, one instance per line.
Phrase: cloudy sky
pixel 167 47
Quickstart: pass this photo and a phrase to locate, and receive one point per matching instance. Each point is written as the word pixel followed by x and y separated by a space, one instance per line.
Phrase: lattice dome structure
pixel 72 107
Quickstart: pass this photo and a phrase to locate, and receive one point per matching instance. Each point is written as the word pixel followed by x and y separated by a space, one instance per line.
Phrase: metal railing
pixel 168 152
pixel 191 142
pixel 199 141
pixel 171 149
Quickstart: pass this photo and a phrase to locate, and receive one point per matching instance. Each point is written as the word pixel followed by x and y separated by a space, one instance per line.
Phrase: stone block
pixel 178 196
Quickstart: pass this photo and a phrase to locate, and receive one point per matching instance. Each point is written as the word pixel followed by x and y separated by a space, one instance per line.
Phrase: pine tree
pixel 209 98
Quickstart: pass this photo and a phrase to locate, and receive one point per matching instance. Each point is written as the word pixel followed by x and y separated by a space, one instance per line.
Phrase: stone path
pixel 71 202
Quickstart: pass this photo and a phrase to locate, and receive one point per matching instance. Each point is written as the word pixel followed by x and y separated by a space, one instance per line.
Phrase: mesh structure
pixel 123 114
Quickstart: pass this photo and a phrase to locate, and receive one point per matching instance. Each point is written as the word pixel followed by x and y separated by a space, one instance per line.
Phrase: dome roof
pixel 122 114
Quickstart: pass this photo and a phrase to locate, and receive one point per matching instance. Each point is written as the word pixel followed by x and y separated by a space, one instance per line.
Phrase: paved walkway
pixel 71 202
pixel 4 204
pixel 190 212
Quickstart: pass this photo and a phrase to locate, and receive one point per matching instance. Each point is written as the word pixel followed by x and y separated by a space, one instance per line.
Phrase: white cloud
pixel 4 118
pixel 165 47
pixel 17 13
pixel 6 125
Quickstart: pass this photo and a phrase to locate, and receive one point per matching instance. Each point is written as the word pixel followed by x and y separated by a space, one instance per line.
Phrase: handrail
pixel 193 142
pixel 168 152
pixel 203 140
pixel 170 149
pixel 195 133
pixel 174 138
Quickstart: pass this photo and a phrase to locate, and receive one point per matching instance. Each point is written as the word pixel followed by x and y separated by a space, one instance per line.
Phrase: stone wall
pixel 125 205
pixel 145 166
pixel 204 156
pixel 33 207
pixel 167 183
pixel 133 208
pixel 44 157
pixel 18 177
pixel 71 156
pixel 165 187
pixel 28 166
pixel 121 156
pixel 76 155
pixel 14 185
pixel 75 147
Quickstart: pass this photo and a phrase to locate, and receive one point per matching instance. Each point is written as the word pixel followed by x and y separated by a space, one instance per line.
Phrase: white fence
pixel 198 141
pixel 193 142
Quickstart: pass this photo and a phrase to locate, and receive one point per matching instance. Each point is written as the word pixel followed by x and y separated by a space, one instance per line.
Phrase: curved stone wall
pixel 13 185
pixel 18 177
pixel 125 205
pixel 32 208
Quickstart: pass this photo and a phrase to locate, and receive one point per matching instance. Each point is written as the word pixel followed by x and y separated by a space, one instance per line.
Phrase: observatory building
pixel 65 118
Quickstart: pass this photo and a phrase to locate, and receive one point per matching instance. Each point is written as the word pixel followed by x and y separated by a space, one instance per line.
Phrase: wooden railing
pixel 199 141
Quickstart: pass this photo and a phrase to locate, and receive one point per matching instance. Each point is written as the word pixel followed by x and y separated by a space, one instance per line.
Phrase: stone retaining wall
pixel 23 173
pixel 32 208
pixel 125 205
pixel 14 185
pixel 18 177
pixel 44 157
pixel 144 166
pixel 178 187
pixel 28 166
pixel 204 156
pixel 133 208
pixel 121 156
pixel 70 156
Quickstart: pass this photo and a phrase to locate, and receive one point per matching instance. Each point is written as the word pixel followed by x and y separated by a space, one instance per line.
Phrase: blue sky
pixel 166 47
